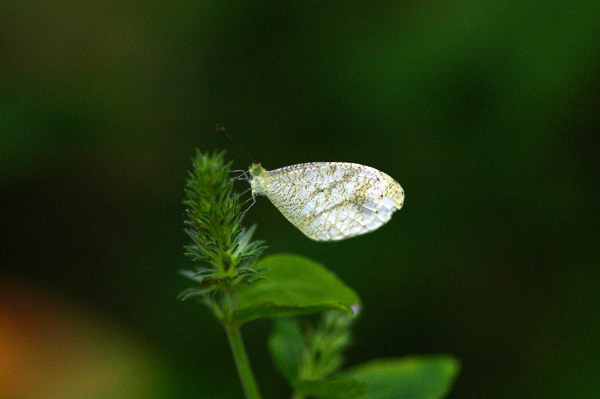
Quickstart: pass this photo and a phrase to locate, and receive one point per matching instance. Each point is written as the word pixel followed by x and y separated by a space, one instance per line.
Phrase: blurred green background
pixel 487 113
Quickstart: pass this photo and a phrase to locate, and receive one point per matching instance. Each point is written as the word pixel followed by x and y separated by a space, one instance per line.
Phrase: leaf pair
pixel 295 286
pixel 417 377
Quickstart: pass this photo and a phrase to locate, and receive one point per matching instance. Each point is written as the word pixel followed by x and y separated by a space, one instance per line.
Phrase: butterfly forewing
pixel 331 200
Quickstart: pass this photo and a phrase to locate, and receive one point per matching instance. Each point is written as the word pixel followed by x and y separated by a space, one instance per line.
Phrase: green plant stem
pixel 242 362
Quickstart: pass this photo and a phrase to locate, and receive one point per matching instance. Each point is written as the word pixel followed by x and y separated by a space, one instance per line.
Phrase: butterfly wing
pixel 331 201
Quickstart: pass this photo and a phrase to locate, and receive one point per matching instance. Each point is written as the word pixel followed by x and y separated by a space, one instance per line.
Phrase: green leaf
pixel 344 388
pixel 286 345
pixel 292 285
pixel 428 377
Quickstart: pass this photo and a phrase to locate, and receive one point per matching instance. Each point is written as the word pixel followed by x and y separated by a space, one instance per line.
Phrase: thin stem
pixel 242 362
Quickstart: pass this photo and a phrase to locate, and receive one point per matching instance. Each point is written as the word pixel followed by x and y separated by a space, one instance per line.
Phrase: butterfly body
pixel 330 201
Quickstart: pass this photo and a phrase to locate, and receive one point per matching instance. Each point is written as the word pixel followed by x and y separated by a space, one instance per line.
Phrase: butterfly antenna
pixel 241 175
pixel 221 129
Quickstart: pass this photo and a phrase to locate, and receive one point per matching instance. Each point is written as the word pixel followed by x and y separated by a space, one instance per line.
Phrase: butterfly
pixel 329 201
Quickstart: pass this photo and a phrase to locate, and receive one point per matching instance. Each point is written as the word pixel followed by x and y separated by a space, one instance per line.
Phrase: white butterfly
pixel 330 201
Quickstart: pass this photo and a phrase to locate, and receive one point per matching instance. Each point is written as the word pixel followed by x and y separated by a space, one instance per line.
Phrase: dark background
pixel 487 113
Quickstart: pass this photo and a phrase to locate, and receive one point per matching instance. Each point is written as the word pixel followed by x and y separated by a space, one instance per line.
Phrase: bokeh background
pixel 488 114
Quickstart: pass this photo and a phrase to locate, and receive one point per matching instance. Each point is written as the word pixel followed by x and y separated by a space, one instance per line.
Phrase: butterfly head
pixel 256 172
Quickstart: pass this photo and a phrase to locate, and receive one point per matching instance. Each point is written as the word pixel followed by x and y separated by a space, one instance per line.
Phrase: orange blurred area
pixel 52 349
